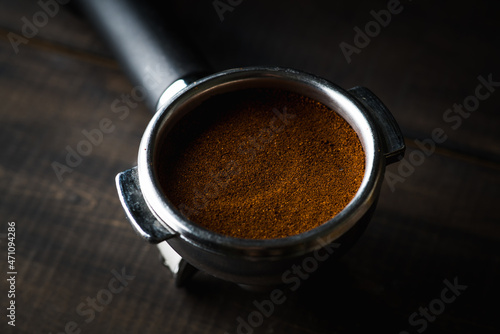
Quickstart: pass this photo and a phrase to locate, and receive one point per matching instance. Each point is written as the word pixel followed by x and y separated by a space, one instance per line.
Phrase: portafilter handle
pixel 143 38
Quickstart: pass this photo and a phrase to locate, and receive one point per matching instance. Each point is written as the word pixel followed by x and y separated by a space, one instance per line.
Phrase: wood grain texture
pixel 440 223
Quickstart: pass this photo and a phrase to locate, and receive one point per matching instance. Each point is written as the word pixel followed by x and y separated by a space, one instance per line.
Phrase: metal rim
pixel 306 84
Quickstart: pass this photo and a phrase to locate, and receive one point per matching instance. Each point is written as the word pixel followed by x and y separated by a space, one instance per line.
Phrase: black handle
pixel 152 55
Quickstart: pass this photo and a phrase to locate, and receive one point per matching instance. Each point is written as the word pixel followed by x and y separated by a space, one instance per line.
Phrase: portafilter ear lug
pixel 138 213
pixel 393 144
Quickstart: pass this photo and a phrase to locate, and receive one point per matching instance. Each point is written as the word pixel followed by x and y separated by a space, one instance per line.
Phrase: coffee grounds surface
pixel 260 164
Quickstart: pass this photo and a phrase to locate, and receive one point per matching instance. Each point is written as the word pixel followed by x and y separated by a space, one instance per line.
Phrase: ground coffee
pixel 260 164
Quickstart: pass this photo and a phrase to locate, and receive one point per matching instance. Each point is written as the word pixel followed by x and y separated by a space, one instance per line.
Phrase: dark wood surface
pixel 440 224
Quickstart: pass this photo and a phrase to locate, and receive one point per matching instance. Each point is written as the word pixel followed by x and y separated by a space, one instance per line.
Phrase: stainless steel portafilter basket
pixel 186 246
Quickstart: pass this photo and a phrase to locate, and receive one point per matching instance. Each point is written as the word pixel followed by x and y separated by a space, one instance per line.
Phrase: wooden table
pixel 436 225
